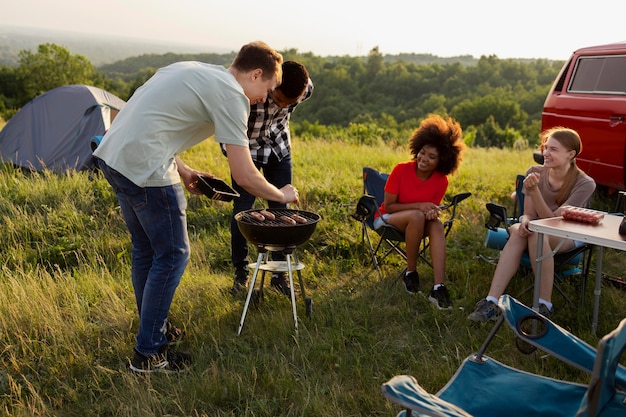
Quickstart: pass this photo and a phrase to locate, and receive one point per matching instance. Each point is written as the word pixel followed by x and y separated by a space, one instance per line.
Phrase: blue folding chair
pixel 390 237
pixel 483 386
pixel 575 261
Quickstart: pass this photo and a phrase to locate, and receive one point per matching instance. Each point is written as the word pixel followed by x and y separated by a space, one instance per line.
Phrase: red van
pixel 589 96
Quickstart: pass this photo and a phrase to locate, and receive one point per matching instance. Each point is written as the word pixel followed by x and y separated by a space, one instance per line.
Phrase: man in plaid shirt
pixel 270 148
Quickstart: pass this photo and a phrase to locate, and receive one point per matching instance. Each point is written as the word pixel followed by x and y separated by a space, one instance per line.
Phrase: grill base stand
pixel 290 264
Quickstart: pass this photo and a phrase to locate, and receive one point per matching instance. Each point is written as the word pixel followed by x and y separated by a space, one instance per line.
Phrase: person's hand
pixel 432 214
pixel 431 211
pixel 189 176
pixel 291 194
pixel 531 181
pixel 523 229
pixel 191 181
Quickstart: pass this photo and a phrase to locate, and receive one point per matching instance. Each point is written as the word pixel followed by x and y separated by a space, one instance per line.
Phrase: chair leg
pixel 560 291
pixel 397 278
pixel 373 254
pixel 478 357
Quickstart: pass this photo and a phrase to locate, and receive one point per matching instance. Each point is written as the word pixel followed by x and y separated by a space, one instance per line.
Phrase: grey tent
pixel 54 130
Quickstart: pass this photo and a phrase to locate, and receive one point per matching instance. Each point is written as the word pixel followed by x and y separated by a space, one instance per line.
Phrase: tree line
pixel 363 99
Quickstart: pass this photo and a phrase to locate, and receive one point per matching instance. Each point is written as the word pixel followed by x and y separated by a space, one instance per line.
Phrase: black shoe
pixel 166 361
pixel 279 282
pixel 412 282
pixel 441 298
pixel 173 334
pixel 545 311
pixel 240 283
pixel 485 311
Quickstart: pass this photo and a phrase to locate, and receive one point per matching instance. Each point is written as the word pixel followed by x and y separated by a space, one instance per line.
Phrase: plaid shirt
pixel 268 129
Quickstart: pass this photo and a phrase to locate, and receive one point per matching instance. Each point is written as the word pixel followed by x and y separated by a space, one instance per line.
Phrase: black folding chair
pixel 390 238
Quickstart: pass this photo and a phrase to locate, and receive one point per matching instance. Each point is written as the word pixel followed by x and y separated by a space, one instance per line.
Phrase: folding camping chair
pixel 390 237
pixel 483 386
pixel 575 261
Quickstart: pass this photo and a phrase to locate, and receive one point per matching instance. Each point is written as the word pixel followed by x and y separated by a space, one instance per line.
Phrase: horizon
pixel 184 47
pixel 456 28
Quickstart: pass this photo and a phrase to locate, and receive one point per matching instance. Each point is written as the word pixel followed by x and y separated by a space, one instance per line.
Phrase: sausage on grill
pixel 267 214
pixel 299 219
pixel 257 216
pixel 287 220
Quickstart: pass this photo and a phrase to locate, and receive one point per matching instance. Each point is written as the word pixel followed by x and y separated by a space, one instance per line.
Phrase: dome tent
pixel 54 129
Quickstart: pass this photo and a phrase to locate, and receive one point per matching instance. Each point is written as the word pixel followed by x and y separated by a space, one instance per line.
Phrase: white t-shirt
pixel 179 107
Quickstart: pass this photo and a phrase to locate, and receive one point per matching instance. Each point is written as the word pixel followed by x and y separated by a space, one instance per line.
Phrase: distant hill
pixel 118 56
pixel 99 49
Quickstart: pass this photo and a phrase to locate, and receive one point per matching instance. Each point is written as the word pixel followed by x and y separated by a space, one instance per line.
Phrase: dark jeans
pixel 278 173
pixel 157 222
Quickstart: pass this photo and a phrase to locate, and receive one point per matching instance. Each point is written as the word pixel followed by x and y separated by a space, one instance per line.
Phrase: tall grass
pixel 67 315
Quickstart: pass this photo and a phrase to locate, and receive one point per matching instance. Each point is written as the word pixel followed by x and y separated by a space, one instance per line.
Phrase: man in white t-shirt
pixel 179 107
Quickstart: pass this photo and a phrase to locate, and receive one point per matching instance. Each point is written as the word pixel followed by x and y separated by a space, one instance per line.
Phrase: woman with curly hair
pixel 413 193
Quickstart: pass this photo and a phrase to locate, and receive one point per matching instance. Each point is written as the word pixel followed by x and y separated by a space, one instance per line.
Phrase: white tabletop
pixel 605 233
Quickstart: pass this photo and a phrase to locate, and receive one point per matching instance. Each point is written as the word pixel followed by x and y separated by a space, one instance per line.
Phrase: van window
pixel 599 75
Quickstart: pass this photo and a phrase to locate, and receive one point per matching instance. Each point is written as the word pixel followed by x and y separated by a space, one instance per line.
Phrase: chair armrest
pixel 406 392
pixel 365 208
pixel 548 336
pixel 456 200
pixel 497 215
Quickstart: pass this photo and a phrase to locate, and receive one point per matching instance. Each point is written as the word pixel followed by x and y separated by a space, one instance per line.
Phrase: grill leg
pixel 251 290
pixel 293 294
pixel 300 280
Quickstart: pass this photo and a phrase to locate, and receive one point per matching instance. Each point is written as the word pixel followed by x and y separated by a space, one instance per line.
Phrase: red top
pixel 404 183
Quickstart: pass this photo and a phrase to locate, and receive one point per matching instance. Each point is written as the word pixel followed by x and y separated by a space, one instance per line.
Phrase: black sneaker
pixel 485 311
pixel 279 282
pixel 412 282
pixel 166 361
pixel 173 334
pixel 441 298
pixel 240 283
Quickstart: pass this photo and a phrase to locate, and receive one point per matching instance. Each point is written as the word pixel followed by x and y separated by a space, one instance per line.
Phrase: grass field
pixel 67 315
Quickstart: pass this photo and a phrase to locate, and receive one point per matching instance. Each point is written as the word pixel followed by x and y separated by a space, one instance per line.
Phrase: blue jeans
pixel 156 220
pixel 278 173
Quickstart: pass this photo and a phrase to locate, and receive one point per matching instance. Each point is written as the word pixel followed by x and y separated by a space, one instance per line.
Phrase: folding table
pixel 604 234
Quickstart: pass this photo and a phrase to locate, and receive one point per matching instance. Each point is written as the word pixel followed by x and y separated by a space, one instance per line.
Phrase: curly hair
pixel 295 79
pixel 445 135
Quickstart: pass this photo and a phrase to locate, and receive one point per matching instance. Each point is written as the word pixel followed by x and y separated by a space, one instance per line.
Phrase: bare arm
pixel 536 206
pixel 250 178
pixel 188 175
pixel 392 206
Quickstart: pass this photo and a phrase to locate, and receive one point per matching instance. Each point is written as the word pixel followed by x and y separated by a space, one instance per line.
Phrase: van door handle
pixel 615 120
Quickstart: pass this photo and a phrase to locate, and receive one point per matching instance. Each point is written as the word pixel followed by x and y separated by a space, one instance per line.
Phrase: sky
pixel 550 29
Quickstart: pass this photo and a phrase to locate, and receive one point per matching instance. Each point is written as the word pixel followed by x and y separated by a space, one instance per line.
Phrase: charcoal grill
pixel 275 235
